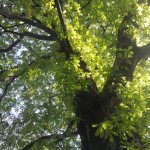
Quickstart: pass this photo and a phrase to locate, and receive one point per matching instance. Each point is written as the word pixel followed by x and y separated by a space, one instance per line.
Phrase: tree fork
pixel 95 108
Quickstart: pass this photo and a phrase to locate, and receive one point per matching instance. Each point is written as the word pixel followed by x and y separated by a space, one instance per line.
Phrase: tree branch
pixel 8 84
pixel 12 45
pixel 124 65
pixel 144 51
pixel 65 44
pixel 86 4
pixel 35 3
pixel 10 15
pixel 29 34
pixel 58 137
pixel 16 76
pixel 59 10
pixel 15 25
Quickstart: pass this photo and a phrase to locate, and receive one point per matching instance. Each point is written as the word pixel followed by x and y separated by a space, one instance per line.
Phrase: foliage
pixel 38 85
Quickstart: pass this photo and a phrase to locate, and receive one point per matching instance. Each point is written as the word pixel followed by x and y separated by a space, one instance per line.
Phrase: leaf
pixel 130 48
pixel 97 132
pixel 101 132
pixel 111 139
pixel 95 125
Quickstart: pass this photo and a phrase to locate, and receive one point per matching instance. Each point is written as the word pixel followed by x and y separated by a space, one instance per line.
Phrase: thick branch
pixel 59 10
pixel 65 44
pixel 29 34
pixel 144 51
pixel 125 63
pixel 10 15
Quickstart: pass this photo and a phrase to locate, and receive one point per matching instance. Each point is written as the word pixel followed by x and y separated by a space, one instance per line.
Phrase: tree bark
pixel 93 108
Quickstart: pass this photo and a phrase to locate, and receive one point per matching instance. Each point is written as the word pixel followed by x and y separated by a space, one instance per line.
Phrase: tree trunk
pixel 94 108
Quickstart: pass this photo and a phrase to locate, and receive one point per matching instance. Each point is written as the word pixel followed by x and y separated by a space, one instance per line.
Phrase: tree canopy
pixel 74 74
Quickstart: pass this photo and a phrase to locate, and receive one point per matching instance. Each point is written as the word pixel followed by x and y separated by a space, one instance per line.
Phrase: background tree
pixel 74 74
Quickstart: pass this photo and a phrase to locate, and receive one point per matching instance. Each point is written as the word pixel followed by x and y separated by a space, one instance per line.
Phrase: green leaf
pixel 95 125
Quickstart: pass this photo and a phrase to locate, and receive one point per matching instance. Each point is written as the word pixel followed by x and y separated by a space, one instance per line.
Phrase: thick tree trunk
pixel 92 107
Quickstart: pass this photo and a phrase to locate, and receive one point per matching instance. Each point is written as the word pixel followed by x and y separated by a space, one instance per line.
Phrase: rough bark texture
pixel 94 107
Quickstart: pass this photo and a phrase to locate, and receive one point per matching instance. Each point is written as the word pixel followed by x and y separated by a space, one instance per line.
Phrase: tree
pixel 74 74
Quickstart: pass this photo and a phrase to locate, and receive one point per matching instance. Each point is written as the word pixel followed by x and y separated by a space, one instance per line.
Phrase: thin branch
pixel 15 25
pixel 85 5
pixel 69 126
pixel 58 137
pixel 41 138
pixel 12 45
pixel 16 76
pixel 35 3
pixel 40 37
pixel 8 84
pixel 66 131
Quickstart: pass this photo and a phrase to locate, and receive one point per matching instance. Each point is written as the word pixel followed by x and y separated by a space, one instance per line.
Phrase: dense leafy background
pixel 41 84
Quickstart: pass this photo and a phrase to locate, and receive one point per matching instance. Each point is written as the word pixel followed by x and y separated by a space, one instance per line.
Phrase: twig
pixel 86 4
pixel 8 84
